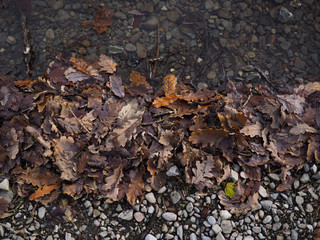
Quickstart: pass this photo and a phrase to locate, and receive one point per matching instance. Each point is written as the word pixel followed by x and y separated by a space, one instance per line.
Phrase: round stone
pixel 299 200
pixel 226 226
pixel 169 216
pixel 151 198
pixel 225 215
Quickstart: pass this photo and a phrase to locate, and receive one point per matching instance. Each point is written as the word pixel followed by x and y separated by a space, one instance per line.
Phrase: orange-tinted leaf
pixel 137 79
pixel 43 191
pixel 107 64
pixel 169 84
pixel 81 65
pixel 22 83
pixel 165 101
pixel 4 205
pixel 103 19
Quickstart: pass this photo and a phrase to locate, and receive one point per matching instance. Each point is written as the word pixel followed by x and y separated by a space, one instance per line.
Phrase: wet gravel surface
pixel 204 43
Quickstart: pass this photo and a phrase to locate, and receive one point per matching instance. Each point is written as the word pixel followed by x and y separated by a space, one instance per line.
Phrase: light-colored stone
pixel 126 215
pixel 150 237
pixel 4 185
pixel 169 216
pixel 151 198
pixel 41 212
pixel 225 215
pixel 139 216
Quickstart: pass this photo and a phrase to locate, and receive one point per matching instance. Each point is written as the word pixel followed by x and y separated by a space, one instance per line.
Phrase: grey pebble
pixel 193 236
pixel 225 215
pixel 68 236
pixel 220 236
pixel 216 228
pixel 305 178
pixel 173 171
pixel 226 226
pixel 169 216
pixel 130 47
pixel 299 200
pixel 41 212
pixel 189 207
pixel 175 197
pixel 294 235
pixel 267 219
pixel 180 232
pixel 151 198
pixel 126 215
pixel 274 176
pixel 211 220
pixel 150 237
pixel 266 204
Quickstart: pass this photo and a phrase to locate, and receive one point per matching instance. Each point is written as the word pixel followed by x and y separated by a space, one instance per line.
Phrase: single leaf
pixel 137 79
pixel 81 65
pixel 45 190
pixel 136 185
pixel 116 86
pixel 111 187
pixel 75 76
pixel 252 130
pixel 208 136
pixel 229 189
pixel 169 84
pixel 103 19
pixel 302 128
pixel 107 64
pixel 165 101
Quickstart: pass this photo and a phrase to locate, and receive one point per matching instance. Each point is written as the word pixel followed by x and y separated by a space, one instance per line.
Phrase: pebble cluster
pixel 171 213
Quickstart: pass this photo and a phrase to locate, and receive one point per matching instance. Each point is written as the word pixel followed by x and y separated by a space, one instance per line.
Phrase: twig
pixel 158 52
pixel 78 120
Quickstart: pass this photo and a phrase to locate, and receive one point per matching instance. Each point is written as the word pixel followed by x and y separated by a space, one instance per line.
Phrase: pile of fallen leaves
pixel 78 130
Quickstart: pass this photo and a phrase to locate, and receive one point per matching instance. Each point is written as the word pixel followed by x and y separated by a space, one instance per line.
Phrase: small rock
pixel 55 4
pixel 193 236
pixel 139 216
pixel 266 204
pixel 87 204
pixel 305 178
pixel 4 185
pixel 211 220
pixel 151 23
pixel 220 236
pixel 285 15
pixel 294 235
pixel 299 200
pixel 299 64
pixel 180 232
pixel 267 219
pixel 173 16
pixel 234 176
pixel 151 198
pixel 263 192
pixel 68 236
pixel 115 49
pixel 49 34
pixel 274 176
pixel 175 197
pixel 130 47
pixel 126 215
pixel 169 216
pixel 41 212
pixel 226 226
pixel 208 4
pixel 216 228
pixel 173 171
pixel 189 207
pixel 11 40
pixel 211 75
pixel 225 215
pixel 309 208
pixel 141 52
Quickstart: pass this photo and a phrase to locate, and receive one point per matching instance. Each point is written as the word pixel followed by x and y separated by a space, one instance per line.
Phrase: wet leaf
pixel 103 19
pixel 169 84
pixel 137 79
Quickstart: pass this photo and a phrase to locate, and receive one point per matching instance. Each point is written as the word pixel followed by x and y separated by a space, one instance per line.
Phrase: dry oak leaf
pixel 107 64
pixel 169 84
pixel 45 190
pixel 103 19
pixel 111 187
pixel 137 79
pixel 252 130
pixel 136 185
pixel 208 136
pixel 81 65
pixel 65 149
pixel 165 101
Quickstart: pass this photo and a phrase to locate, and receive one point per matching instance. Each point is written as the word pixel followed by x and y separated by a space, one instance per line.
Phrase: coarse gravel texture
pixel 204 42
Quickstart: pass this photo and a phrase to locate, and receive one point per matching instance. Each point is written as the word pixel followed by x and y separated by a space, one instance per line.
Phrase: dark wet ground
pixel 200 41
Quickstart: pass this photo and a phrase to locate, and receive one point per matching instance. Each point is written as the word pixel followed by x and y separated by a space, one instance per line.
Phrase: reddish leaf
pixel 136 185
pixel 103 19
pixel 43 191
pixel 137 79
pixel 169 84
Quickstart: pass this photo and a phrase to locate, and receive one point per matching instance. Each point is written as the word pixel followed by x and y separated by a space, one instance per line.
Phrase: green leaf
pixel 229 189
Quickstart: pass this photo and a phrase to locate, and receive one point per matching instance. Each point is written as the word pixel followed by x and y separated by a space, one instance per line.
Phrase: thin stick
pixel 79 120
pixel 158 52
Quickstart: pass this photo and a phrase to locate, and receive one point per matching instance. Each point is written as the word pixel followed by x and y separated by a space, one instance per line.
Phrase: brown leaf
pixel 137 79
pixel 292 103
pixel 65 149
pixel 81 65
pixel 136 185
pixel 103 19
pixel 208 136
pixel 202 176
pixel 75 76
pixel 165 101
pixel 107 64
pixel 111 187
pixel 116 86
pixel 302 128
pixel 169 84
pixel 286 184
pixel 43 191
pixel 38 176
pixel 73 189
pixel 252 130
pixel 4 205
